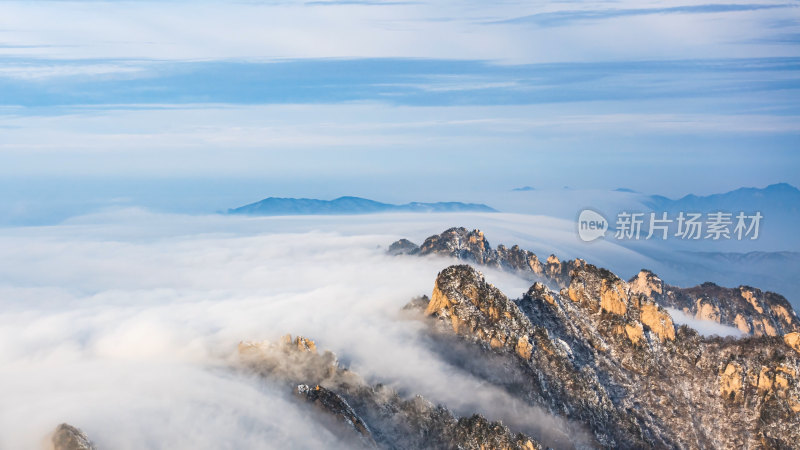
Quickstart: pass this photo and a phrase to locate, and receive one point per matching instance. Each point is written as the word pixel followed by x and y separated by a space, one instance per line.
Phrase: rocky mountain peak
pixel 403 247
pixel 600 290
pixel 472 246
pixel 67 437
pixel 646 283
pixel 539 291
pixel 459 243
pixel 597 287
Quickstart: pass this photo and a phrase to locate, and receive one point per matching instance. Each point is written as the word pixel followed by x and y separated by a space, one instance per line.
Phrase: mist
pixel 126 324
pixel 705 327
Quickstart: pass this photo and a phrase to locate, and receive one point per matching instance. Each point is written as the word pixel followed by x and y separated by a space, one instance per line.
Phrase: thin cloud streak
pixel 561 18
pixel 173 31
pixel 421 82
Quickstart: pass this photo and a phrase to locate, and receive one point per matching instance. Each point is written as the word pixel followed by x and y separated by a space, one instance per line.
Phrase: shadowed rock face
pixel 371 416
pixel 67 437
pixel 604 354
pixel 750 310
pixel 333 404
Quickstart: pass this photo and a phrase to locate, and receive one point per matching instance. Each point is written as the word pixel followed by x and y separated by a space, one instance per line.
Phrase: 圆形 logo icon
pixel 591 225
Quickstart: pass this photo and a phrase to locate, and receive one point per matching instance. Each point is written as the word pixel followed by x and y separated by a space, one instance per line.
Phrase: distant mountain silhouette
pixel 778 204
pixel 275 206
pixel 781 198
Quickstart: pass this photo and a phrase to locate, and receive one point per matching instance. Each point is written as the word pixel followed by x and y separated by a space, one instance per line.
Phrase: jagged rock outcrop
pixel 67 437
pixel 603 353
pixel 371 415
pixel 403 247
pixel 472 246
pixel 598 288
pixel 750 310
pixel 477 309
pixel 460 243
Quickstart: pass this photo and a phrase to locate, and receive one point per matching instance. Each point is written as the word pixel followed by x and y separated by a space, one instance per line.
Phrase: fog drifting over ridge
pixel 126 323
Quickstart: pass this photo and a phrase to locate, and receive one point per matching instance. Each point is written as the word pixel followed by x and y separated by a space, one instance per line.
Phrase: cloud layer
pixel 126 325
pixel 508 31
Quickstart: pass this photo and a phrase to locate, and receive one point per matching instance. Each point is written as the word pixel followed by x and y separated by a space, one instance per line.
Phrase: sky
pixel 202 106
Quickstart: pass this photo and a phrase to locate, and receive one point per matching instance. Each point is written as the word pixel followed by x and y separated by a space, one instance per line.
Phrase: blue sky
pixel 214 104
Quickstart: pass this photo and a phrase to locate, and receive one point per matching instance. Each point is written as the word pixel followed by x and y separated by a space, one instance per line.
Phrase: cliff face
pixel 606 355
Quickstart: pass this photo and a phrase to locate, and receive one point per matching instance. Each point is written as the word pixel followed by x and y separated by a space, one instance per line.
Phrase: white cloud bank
pixel 126 324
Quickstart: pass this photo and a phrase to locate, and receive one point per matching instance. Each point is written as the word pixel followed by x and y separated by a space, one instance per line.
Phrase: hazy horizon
pixel 48 201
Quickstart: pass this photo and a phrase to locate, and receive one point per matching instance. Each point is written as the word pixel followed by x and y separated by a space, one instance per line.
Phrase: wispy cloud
pixel 424 82
pixel 52 71
pixel 439 30
pixel 561 18
pixel 704 327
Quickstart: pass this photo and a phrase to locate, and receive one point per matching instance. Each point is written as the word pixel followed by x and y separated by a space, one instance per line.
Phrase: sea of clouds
pixel 126 323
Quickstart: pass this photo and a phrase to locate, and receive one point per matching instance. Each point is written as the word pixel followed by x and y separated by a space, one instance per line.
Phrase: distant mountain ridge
pixel 779 196
pixel 778 204
pixel 277 206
